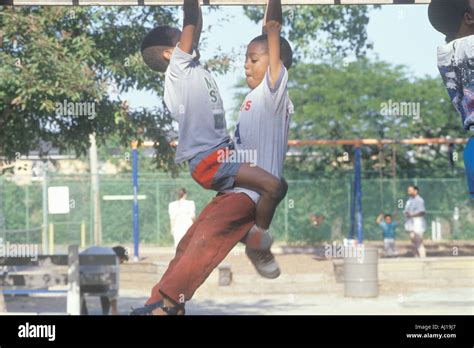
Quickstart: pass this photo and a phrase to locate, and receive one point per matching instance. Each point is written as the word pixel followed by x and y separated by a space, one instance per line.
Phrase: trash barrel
pixel 361 274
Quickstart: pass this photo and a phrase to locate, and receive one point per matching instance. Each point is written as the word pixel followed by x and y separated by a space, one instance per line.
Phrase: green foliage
pixel 319 30
pixel 54 54
pixel 346 101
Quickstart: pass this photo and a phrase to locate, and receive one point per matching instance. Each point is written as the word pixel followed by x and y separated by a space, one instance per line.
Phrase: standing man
pixel 182 215
pixel 415 223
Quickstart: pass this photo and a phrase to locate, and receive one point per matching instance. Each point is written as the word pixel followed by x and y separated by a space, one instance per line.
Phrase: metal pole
pixel 286 221
pixel 94 167
pixel 27 207
pixel 358 190
pixel 45 208
pixel 353 209
pixel 394 174
pixel 349 206
pixel 136 231
pixel 158 223
pixel 83 234
pixel 51 239
pixel 2 215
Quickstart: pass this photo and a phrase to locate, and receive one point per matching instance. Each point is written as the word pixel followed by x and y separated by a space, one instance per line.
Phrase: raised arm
pixel 273 22
pixel 379 218
pixel 395 216
pixel 198 31
pixel 192 26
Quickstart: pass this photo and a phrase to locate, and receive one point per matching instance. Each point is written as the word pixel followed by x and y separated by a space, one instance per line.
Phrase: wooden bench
pixel 22 275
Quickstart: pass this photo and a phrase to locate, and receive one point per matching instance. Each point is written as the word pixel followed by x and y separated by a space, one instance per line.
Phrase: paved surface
pixel 457 301
pixel 307 286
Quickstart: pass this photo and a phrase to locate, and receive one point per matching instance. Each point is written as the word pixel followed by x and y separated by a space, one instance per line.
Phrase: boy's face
pixel 388 220
pixel 167 53
pixel 256 63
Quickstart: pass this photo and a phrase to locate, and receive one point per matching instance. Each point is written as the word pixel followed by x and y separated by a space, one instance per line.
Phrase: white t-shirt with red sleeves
pixel 192 97
pixel 263 126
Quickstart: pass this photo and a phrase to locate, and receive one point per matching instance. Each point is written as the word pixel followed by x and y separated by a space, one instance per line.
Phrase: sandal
pixel 148 309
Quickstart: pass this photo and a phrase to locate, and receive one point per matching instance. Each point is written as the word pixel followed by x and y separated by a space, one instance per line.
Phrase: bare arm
pixel 273 22
pixel 197 33
pixel 192 13
pixel 379 219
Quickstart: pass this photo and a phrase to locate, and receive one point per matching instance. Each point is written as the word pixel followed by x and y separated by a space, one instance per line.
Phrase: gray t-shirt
pixel 192 97
pixel 415 205
pixel 264 120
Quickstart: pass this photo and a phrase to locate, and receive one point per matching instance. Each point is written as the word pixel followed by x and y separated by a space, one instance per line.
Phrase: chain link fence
pixel 22 205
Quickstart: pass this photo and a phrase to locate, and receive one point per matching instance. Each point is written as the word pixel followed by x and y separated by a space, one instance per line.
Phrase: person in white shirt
pixel 415 223
pixel 182 215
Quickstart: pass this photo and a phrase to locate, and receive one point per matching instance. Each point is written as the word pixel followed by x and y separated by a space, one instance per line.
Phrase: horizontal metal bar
pixel 360 142
pixel 31 291
pixel 122 197
pixel 58 260
pixel 205 2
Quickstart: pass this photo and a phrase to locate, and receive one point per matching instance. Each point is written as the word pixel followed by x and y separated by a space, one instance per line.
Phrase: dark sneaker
pixel 264 262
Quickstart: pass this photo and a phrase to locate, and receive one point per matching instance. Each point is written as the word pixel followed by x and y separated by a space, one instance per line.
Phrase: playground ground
pixel 307 286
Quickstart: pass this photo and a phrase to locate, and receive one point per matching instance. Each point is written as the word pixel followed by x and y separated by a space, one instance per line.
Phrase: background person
pixel 388 226
pixel 415 223
pixel 182 215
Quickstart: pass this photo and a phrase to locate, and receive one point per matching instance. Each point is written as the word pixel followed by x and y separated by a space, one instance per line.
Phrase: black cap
pixel 446 15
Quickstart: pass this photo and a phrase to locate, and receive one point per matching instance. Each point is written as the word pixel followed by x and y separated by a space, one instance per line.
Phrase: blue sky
pixel 400 34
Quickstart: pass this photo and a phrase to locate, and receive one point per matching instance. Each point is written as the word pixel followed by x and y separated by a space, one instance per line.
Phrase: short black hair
pixel 153 45
pixel 286 52
pixel 121 252
pixel 415 187
pixel 446 16
pixel 387 216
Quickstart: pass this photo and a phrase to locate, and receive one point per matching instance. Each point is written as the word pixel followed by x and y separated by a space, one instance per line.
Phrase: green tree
pixel 347 101
pixel 53 55
pixel 317 31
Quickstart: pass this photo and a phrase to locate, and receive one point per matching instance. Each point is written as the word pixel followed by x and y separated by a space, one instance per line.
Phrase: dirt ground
pixel 307 286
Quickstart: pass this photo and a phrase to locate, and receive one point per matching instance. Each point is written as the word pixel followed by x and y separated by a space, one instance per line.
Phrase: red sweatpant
pixel 221 225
